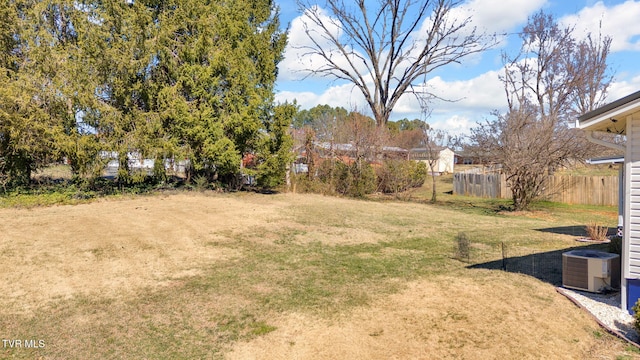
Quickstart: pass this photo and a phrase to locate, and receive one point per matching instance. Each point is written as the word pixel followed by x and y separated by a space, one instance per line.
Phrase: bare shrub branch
pixel 552 78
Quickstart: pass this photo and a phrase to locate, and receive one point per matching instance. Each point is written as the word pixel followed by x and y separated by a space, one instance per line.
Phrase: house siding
pixel 632 207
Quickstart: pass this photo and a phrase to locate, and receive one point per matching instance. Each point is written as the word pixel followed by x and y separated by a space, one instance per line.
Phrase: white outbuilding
pixel 444 162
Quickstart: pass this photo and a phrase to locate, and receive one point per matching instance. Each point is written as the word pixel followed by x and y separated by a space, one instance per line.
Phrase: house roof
pixel 336 146
pixel 393 149
pixel 436 148
pixel 611 118
pixel 350 147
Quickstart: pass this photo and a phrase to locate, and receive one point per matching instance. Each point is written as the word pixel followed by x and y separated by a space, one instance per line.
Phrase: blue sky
pixel 475 81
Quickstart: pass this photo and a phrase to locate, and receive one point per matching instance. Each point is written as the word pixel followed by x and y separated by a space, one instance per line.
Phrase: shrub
pixel 314 185
pixel 356 179
pixel 365 177
pixel 200 183
pixel 139 177
pixel 159 171
pixel 463 247
pixel 615 246
pixel 597 232
pixel 636 316
pixel 395 176
pixel 342 178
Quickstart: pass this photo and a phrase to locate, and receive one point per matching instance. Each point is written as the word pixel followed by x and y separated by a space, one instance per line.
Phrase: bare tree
pixel 552 78
pixel 434 142
pixel 590 61
pixel 561 76
pixel 309 136
pixel 363 135
pixel 526 147
pixel 384 47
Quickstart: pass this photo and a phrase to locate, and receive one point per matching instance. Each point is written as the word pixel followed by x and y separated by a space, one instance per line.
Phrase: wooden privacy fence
pixel 583 190
pixel 481 185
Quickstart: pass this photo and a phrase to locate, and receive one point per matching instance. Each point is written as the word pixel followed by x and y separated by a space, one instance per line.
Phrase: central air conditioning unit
pixel 590 270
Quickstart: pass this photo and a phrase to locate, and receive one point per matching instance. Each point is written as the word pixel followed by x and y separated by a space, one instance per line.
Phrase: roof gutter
pixel 618 147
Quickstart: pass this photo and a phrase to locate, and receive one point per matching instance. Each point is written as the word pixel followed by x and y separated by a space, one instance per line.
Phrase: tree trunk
pixel 433 178
pixel 433 194
pixel 288 177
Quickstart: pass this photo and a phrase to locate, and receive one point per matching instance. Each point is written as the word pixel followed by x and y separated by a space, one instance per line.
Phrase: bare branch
pixel 384 49
pixel 551 79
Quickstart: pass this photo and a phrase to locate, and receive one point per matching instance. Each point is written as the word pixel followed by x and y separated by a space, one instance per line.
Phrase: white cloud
pixel 470 101
pixel 305 99
pixel 498 16
pixel 299 55
pixel 483 93
pixel 477 97
pixel 346 96
pixel 456 124
pixel 296 61
pixel 620 22
pixel 620 89
pixel 302 23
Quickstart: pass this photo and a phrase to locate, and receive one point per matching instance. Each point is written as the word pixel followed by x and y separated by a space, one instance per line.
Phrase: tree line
pixel 555 76
pixel 325 130
pixel 165 79
pixel 191 79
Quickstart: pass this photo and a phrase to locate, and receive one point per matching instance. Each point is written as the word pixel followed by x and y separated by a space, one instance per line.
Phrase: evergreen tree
pixel 216 66
pixel 275 150
pixel 158 78
pixel 29 96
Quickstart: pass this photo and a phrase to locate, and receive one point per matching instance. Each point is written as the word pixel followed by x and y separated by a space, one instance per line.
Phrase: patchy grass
pixel 203 275
pixel 590 170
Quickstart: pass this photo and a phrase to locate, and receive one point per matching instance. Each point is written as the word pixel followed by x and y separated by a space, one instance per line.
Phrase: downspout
pixel 621 192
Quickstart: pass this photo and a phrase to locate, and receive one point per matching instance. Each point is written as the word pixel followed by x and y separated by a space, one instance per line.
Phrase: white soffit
pixel 611 117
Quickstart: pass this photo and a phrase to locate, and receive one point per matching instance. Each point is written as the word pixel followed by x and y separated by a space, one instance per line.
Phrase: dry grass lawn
pixel 484 317
pixel 286 276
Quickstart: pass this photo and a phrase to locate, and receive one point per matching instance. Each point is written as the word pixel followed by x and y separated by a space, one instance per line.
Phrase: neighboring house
pixel 623 117
pixel 444 162
pixel 394 152
pixel 326 148
pixel 465 158
pixel 300 168
pixel 346 153
pixel 136 162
